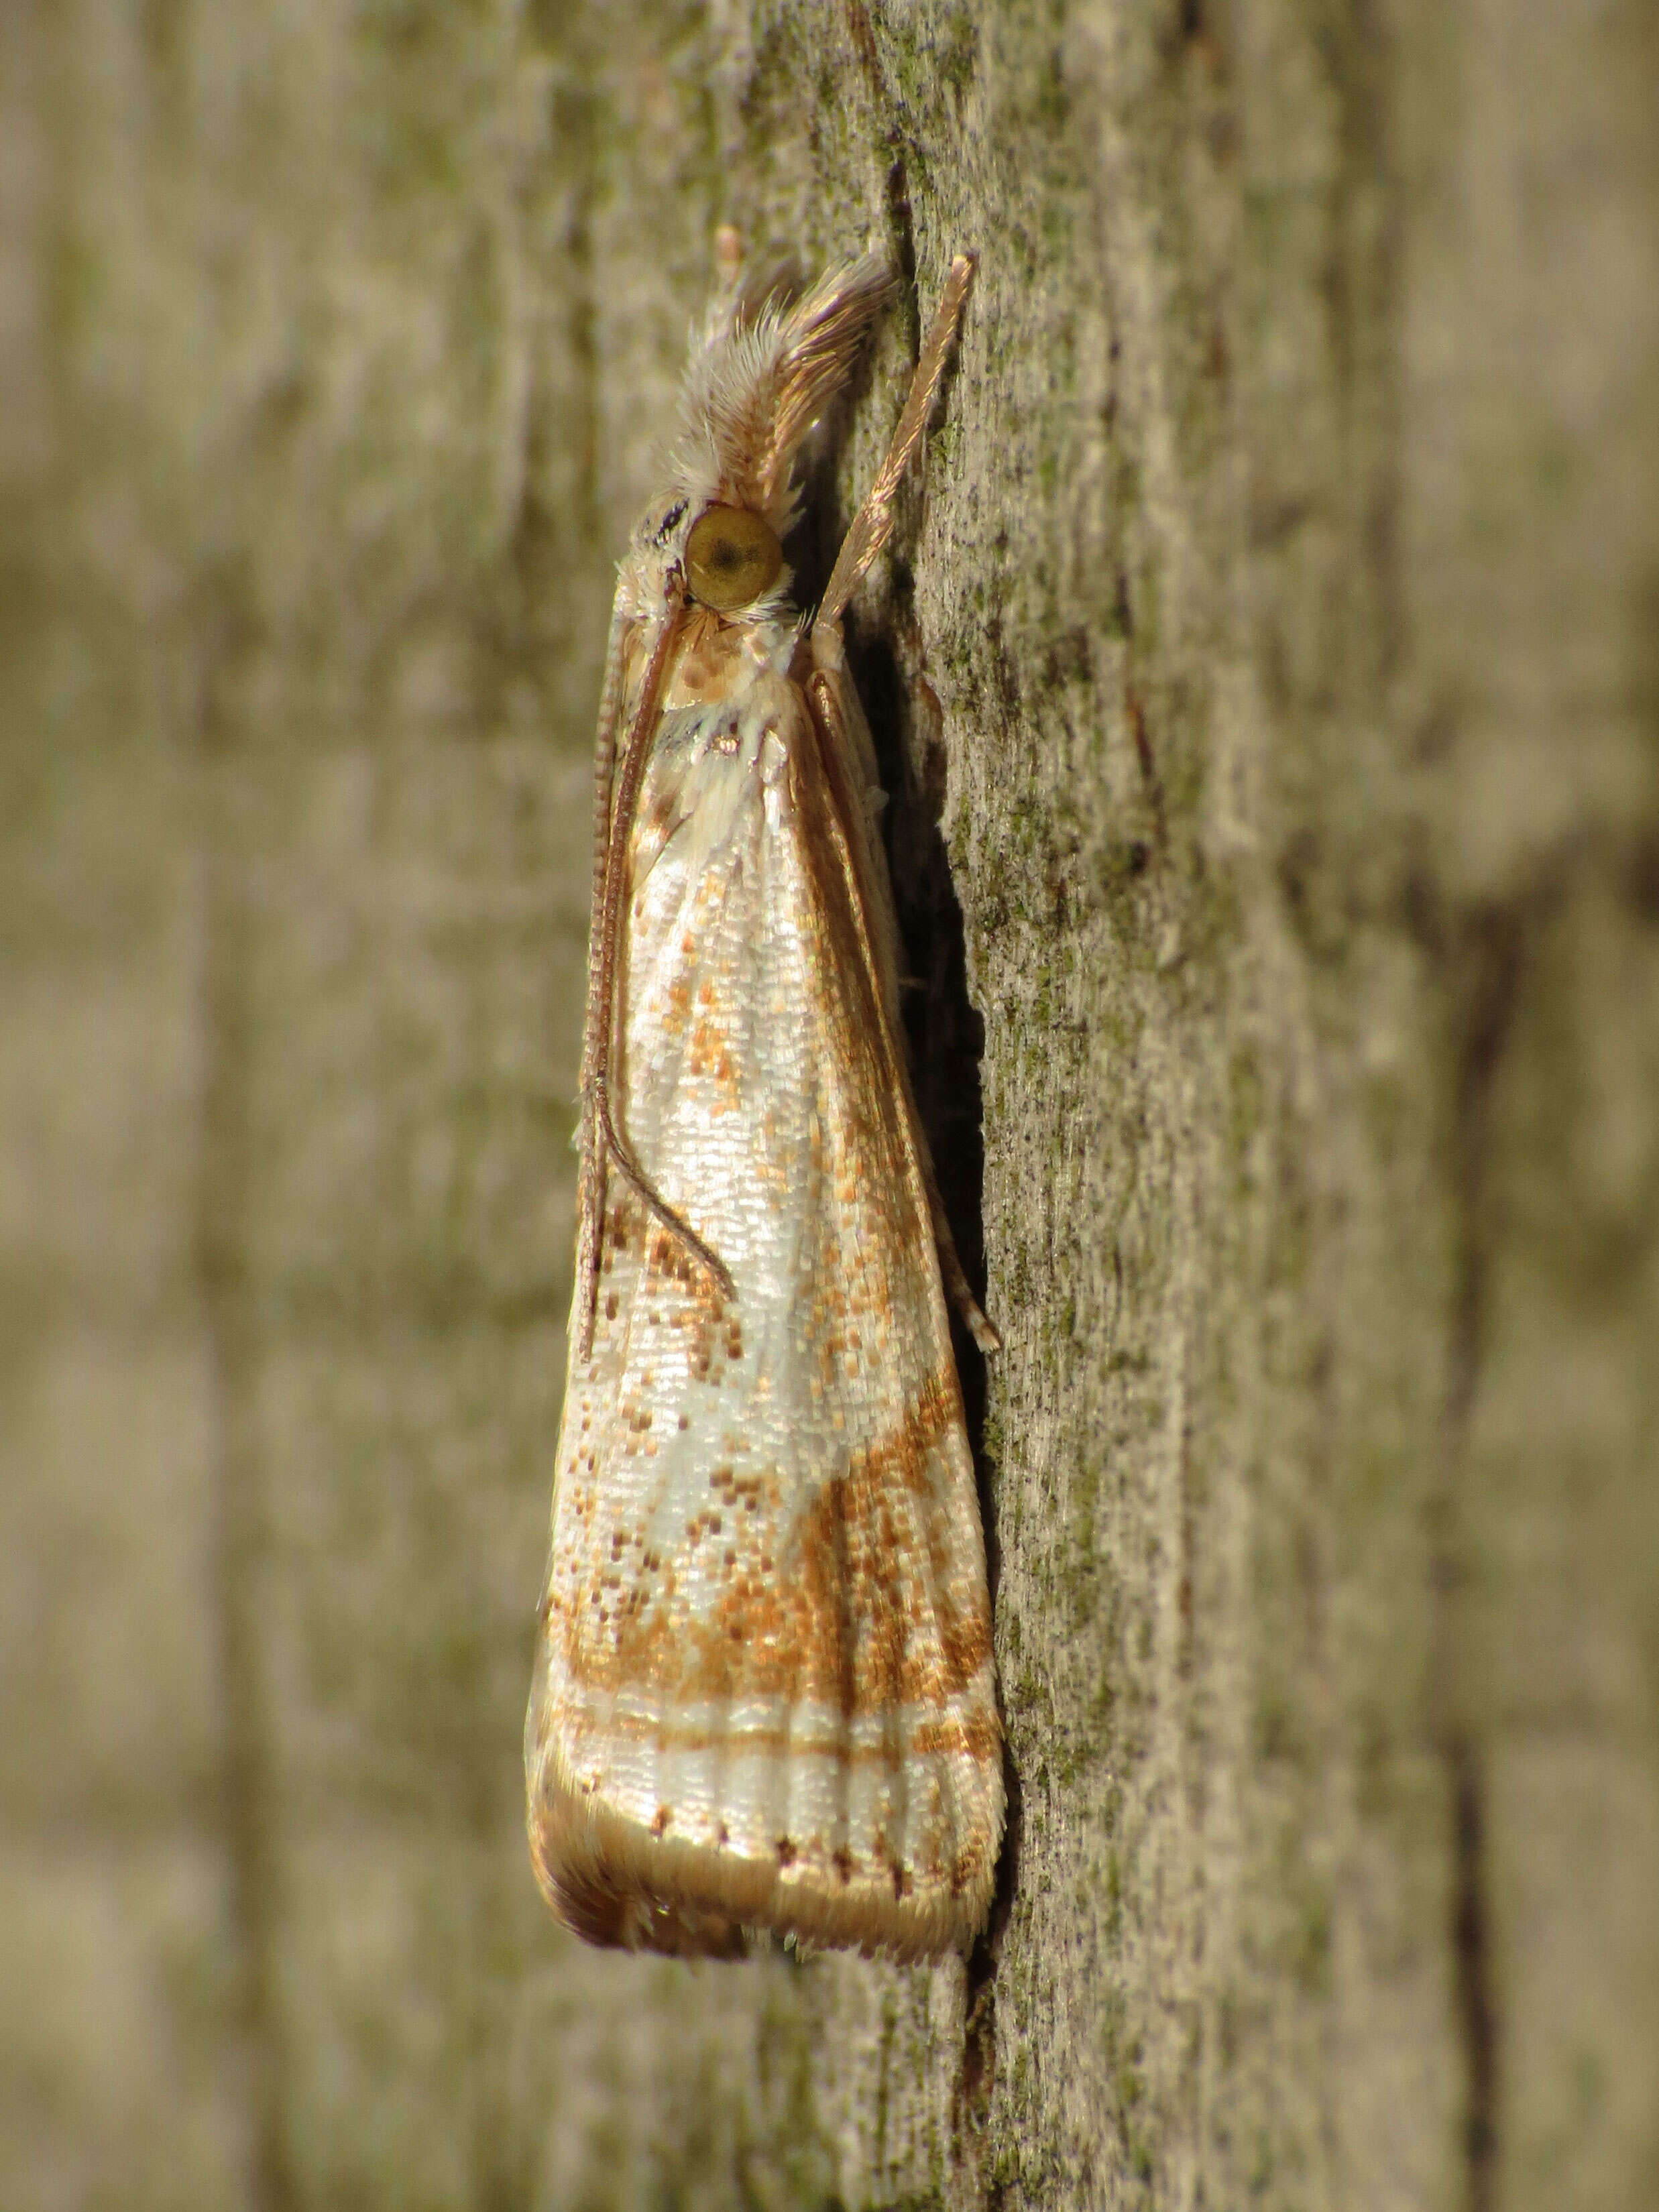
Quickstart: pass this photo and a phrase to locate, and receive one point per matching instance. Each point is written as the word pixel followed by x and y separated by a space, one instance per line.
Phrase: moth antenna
pixel 594 1023
pixel 602 974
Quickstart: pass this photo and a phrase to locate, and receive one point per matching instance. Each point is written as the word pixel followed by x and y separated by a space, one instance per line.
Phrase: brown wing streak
pixel 832 728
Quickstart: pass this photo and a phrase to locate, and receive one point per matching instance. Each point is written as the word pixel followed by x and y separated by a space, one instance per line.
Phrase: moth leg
pixel 846 744
pixel 874 519
pixel 973 1316
pixel 842 714
pixel 835 704
pixel 614 823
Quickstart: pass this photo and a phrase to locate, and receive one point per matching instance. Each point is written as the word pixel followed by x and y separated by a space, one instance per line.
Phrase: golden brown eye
pixel 732 556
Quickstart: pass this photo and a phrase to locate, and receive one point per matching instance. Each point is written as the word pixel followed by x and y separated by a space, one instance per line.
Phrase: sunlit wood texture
pixel 1276 647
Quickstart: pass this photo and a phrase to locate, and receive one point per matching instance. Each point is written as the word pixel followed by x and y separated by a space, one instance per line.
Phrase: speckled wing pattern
pixel 763 1690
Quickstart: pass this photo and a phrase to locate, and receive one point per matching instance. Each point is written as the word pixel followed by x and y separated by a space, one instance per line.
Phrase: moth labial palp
pixel 763 1694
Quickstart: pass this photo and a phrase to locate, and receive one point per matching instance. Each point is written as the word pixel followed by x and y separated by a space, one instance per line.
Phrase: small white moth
pixel 763 1693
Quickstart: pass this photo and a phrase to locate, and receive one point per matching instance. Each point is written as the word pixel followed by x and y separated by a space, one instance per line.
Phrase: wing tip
pixel 619 1886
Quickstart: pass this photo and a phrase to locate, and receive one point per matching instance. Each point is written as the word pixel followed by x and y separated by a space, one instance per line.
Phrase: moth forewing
pixel 763 1693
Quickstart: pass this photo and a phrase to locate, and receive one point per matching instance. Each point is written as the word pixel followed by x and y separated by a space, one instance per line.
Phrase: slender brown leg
pixel 862 542
pixel 874 519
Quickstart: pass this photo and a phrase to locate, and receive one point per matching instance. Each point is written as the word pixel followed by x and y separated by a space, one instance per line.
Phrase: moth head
pixel 656 548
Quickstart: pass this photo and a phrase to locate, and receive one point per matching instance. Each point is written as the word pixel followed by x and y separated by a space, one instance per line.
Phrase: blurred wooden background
pixel 1268 676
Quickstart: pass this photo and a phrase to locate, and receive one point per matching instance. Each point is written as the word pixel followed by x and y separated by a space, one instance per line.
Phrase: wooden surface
pixel 1268 674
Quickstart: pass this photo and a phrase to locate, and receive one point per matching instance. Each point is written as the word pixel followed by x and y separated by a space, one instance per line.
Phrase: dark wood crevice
pixel 1485 955
pixel 224 1183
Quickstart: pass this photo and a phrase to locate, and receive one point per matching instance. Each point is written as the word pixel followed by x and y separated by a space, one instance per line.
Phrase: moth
pixel 763 1695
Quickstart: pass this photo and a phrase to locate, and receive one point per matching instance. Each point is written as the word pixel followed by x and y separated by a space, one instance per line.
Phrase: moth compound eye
pixel 732 556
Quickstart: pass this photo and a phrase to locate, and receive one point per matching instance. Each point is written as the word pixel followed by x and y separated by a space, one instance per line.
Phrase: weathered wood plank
pixel 1266 677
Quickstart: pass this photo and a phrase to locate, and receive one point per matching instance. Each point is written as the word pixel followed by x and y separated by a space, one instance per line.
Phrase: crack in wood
pixel 223 1183
pixel 1487 953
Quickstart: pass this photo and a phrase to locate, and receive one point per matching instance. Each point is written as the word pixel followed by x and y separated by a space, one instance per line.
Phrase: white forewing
pixel 766 1640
